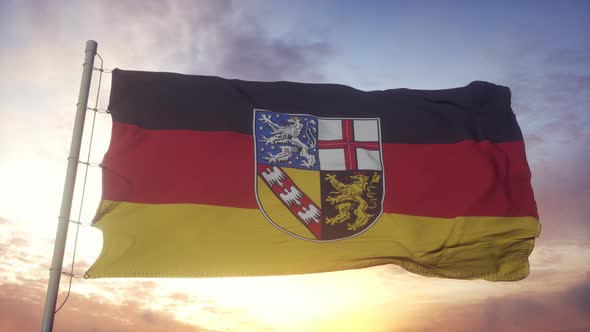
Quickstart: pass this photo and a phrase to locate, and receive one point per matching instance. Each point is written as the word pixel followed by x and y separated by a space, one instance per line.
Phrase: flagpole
pixel 68 193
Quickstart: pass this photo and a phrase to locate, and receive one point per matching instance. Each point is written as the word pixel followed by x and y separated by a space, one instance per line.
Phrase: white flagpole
pixel 68 193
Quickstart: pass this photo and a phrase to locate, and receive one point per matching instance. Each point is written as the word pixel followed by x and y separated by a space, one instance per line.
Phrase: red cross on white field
pixel 348 144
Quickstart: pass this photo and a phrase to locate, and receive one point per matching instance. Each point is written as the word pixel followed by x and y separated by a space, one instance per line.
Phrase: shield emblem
pixel 317 178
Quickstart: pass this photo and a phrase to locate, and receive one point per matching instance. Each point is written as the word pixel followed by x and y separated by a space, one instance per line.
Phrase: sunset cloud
pixel 567 310
pixel 21 309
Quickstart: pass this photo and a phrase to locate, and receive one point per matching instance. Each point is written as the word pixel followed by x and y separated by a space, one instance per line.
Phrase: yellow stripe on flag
pixel 189 240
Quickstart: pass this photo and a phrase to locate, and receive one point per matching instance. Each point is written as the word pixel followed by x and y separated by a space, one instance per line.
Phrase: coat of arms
pixel 318 179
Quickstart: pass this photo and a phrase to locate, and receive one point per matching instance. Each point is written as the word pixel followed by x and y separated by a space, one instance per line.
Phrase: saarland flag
pixel 208 177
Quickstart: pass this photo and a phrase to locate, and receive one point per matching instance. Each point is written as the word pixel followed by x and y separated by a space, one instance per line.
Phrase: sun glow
pixel 320 302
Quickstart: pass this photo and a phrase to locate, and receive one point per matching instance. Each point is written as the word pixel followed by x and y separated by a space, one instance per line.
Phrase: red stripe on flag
pixel 464 179
pixel 468 178
pixel 179 166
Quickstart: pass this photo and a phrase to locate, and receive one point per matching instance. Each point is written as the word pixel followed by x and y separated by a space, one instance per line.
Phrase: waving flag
pixel 209 177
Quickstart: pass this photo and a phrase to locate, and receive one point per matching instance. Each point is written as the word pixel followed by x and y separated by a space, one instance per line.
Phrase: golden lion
pixel 345 195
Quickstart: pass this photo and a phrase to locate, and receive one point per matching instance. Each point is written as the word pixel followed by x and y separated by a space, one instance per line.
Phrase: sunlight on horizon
pixel 290 303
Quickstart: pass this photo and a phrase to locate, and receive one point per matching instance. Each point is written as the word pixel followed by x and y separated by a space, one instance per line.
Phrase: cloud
pixel 562 190
pixel 567 310
pixel 223 38
pixel 579 297
pixel 217 37
pixel 21 311
pixel 19 263
pixel 568 57
pixel 253 56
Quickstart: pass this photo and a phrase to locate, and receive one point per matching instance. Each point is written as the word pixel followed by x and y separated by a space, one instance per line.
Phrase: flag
pixel 212 177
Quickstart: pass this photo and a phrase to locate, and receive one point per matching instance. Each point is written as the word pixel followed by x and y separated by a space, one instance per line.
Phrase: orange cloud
pixel 21 309
pixel 568 310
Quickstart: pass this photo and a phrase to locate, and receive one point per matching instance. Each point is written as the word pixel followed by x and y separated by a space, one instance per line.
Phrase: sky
pixel 540 49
